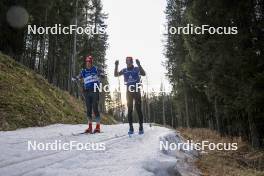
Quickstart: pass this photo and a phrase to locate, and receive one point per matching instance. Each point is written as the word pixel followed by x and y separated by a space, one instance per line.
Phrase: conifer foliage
pixel 218 80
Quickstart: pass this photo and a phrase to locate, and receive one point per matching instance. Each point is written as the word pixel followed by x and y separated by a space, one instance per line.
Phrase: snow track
pixel 139 155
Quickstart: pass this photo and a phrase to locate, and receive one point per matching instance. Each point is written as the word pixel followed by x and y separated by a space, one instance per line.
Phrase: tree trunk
pixel 216 114
pixel 186 106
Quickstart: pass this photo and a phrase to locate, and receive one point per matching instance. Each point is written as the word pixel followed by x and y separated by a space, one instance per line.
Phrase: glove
pixel 73 79
pixel 102 75
pixel 116 62
pixel 137 61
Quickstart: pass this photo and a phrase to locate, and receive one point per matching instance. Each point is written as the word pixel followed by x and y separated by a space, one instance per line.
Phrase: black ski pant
pixel 92 101
pixel 131 97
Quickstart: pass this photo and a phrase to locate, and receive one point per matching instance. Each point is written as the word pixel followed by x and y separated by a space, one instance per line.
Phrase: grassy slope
pixel 243 162
pixel 27 99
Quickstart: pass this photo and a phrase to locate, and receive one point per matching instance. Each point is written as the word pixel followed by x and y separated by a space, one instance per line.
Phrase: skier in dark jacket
pixel 91 78
pixel 132 81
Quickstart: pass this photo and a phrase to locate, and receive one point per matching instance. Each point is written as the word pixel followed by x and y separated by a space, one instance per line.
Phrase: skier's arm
pixel 141 70
pixel 116 69
pixel 101 73
pixel 77 78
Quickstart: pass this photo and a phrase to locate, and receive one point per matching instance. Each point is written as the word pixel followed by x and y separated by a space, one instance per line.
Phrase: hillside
pixel 27 99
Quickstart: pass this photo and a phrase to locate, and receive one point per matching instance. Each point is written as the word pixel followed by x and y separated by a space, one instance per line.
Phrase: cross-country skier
pixel 132 81
pixel 91 77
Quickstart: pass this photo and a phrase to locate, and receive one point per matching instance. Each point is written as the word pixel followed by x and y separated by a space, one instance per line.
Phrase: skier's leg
pixel 88 102
pixel 95 106
pixel 96 111
pixel 129 97
pixel 137 96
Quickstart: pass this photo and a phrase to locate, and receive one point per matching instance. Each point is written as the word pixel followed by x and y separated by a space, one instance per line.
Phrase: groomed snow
pixel 123 156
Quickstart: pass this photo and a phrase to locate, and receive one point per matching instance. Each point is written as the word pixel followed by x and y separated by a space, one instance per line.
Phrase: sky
pixel 135 29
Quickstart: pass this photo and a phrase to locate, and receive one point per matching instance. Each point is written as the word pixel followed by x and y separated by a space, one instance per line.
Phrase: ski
pixel 83 133
pixel 135 134
pixel 78 134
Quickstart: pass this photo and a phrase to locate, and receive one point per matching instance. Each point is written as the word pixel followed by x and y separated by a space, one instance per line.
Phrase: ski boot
pixel 131 131
pixel 97 128
pixel 89 129
pixel 141 130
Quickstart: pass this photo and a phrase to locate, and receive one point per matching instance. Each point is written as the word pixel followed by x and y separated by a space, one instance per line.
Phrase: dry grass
pixel 244 161
pixel 27 99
